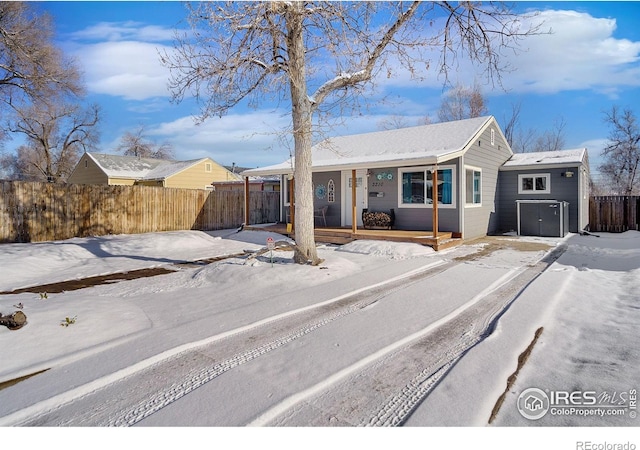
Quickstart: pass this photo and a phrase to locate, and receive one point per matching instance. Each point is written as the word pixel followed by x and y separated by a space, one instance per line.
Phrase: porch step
pixel 444 244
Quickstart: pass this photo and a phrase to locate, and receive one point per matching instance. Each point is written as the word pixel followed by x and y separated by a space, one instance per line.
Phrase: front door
pixel 361 196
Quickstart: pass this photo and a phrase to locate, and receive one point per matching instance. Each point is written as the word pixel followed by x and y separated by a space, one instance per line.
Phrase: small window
pixel 493 137
pixel 539 183
pixel 86 163
pixel 473 186
pixel 207 167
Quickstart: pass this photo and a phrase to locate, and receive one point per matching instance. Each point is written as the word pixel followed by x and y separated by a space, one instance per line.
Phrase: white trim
pixel 547 189
pixel 345 190
pixel 331 191
pixel 474 169
pixel 285 189
pixel 454 188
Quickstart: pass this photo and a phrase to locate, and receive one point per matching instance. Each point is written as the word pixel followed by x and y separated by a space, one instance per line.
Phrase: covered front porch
pixel 341 236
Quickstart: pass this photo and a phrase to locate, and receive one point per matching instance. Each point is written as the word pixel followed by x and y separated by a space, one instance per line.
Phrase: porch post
pixel 246 201
pixel 292 208
pixel 354 207
pixel 434 194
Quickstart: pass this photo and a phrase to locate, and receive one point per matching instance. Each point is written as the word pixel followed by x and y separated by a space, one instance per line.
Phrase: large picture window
pixel 416 187
pixel 536 183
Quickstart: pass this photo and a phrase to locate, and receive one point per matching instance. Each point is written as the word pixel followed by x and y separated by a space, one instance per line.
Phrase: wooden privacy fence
pixel 614 213
pixel 32 212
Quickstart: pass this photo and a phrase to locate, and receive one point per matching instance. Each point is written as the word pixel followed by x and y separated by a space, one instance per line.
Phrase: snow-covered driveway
pixel 380 334
pixel 285 351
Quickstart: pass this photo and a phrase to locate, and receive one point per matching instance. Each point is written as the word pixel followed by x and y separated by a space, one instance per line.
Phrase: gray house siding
pixel 562 189
pixel 383 193
pixel 333 207
pixel 482 220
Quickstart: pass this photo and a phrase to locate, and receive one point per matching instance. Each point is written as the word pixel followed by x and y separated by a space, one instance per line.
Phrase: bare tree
pixel 319 55
pixel 461 102
pixel 532 140
pixel 30 64
pixel 134 143
pixel 622 155
pixel 393 123
pixel 552 139
pixel 511 123
pixel 56 135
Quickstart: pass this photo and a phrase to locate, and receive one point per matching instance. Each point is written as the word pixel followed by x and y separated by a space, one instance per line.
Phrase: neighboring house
pixel 268 184
pixel 394 170
pixel 97 168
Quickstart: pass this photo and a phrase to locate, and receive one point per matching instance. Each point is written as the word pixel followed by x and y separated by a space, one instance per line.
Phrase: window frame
pixel 533 176
pixel 285 190
pixel 425 169
pixel 473 204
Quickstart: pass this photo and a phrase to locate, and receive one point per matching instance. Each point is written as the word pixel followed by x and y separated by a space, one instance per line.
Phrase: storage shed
pixel 548 218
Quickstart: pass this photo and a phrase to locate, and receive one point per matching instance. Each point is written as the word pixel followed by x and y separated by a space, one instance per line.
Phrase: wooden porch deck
pixel 345 235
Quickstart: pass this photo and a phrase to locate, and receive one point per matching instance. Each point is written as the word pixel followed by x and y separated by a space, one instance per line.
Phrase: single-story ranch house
pixel 482 187
pixel 97 168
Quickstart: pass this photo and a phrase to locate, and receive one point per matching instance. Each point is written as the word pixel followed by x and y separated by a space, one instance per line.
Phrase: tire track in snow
pixel 290 402
pixel 398 409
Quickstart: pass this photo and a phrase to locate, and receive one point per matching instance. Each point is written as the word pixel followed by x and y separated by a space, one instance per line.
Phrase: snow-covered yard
pixel 587 303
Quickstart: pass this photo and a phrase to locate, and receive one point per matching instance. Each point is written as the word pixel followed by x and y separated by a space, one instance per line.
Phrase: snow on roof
pixel 535 159
pixel 119 166
pixel 428 143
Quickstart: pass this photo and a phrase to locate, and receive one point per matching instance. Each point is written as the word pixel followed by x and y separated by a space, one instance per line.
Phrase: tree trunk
pixel 302 123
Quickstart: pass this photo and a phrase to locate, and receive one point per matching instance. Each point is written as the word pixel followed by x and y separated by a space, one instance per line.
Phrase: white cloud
pixel 127 69
pixel 580 53
pixel 251 140
pixel 120 31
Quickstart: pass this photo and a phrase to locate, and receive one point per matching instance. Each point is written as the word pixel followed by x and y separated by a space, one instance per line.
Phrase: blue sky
pixel 589 63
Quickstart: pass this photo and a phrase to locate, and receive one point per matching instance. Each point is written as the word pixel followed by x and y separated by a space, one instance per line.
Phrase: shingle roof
pixel 425 143
pixel 118 166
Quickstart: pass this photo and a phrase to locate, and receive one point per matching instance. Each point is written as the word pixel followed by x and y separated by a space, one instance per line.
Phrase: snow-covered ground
pixel 587 302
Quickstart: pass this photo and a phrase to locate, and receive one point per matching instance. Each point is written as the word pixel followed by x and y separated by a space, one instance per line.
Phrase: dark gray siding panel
pixel 335 207
pixel 562 189
pixel 422 219
pixel 387 190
